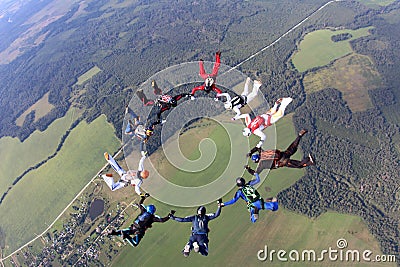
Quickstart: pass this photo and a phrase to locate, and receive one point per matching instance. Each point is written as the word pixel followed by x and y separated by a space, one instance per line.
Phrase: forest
pixel 357 167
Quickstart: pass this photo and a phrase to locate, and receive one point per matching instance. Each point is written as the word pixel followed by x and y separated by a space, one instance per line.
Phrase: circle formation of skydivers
pixel 265 159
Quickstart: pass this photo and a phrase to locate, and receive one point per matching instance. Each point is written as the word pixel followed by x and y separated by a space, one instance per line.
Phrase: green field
pixel 188 143
pixel 317 49
pixel 17 156
pixel 41 108
pixel 235 241
pixel 354 75
pixel 42 194
pixel 88 75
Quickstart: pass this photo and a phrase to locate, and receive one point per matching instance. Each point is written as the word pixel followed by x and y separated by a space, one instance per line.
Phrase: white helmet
pixel 228 105
pixel 246 132
pixel 209 81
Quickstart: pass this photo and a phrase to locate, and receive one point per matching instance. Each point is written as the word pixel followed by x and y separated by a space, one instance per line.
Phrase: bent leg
pixel 156 89
pixel 131 114
pixel 271 206
pixel 114 164
pixel 246 87
pixel 143 98
pixel 254 93
pixel 298 164
pixel 110 183
pixel 134 240
pixel 292 148
pixel 281 110
pixel 202 241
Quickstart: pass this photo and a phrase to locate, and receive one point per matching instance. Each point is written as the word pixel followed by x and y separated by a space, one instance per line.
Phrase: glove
pixel 146 195
pixel 171 214
pixel 252 172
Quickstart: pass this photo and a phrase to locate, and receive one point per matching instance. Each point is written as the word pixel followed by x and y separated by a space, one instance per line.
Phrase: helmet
pixel 240 181
pixel 228 105
pixel 246 132
pixel 144 174
pixel 209 81
pixel 151 209
pixel 173 102
pixel 255 158
pixel 201 211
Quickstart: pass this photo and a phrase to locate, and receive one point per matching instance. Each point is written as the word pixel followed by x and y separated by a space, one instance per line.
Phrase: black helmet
pixel 173 102
pixel 240 181
pixel 201 211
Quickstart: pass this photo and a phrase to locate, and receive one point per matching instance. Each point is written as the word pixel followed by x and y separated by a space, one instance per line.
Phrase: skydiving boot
pixel 302 132
pixel 196 247
pixel 186 250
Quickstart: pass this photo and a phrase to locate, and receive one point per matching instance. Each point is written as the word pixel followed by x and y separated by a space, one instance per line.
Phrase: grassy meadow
pixel 42 194
pixel 17 156
pixel 235 241
pixel 317 49
pixel 41 108
pixel 188 143
pixel 88 75
pixel 353 75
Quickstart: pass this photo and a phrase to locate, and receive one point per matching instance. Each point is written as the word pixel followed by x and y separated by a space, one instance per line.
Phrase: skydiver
pixel 148 102
pixel 198 241
pixel 133 121
pixel 209 79
pixel 260 122
pixel 239 101
pixel 254 201
pixel 135 232
pixel 165 102
pixel 135 178
pixel 135 127
pixel 273 159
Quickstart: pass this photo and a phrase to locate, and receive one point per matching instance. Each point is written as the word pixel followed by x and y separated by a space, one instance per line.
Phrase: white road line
pixel 283 35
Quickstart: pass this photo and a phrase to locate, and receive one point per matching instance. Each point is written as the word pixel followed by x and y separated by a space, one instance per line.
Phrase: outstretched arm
pixel 262 136
pixel 216 89
pixel 186 219
pixel 141 164
pixel 255 181
pixel 161 220
pixel 216 214
pixel 226 95
pixel 233 200
pixel 246 118
pixel 194 90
